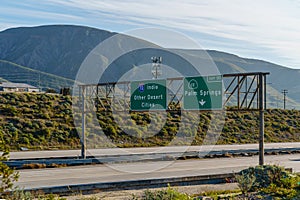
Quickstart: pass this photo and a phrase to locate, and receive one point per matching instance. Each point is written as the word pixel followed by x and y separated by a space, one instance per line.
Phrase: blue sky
pixel 262 29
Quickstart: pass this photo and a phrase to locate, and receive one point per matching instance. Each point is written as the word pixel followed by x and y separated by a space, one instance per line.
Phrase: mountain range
pixel 50 57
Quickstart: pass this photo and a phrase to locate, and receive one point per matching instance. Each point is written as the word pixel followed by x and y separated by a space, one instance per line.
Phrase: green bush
pixel 286 188
pixel 245 181
pixel 7 175
pixel 280 192
pixel 19 194
pixel 270 180
pixel 265 175
pixel 167 194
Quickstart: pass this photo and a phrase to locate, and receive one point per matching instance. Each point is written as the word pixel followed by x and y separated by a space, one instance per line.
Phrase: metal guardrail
pixel 69 161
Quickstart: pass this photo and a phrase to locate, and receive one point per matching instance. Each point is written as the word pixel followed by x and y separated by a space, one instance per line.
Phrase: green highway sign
pixel 148 95
pixel 203 93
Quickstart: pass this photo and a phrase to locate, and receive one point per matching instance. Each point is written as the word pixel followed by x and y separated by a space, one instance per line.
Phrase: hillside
pixel 56 49
pixel 43 80
pixel 37 120
pixel 45 121
pixel 59 50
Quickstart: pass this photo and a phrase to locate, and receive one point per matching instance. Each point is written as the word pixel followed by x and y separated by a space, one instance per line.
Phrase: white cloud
pixel 38 14
pixel 265 24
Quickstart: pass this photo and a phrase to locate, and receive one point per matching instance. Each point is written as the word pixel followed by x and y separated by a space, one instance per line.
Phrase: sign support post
pixel 83 142
pixel 261 119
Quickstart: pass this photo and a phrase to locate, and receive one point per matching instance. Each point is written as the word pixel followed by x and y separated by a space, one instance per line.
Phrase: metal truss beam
pixel 239 95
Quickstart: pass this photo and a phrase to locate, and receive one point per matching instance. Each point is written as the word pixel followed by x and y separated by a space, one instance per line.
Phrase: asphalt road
pixel 148 150
pixel 145 170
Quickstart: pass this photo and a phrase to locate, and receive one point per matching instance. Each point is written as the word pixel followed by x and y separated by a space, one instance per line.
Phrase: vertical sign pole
pixel 265 92
pixel 284 99
pixel 83 149
pixel 261 119
pixel 284 92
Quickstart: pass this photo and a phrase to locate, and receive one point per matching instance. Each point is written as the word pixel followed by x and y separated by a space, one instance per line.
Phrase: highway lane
pixel 148 150
pixel 120 172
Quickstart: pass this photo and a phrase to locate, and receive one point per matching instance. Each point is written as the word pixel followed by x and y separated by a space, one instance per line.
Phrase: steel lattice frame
pixel 242 92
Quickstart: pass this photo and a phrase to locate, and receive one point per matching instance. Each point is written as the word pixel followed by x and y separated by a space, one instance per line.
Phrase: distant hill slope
pixel 60 49
pixel 56 49
pixel 43 80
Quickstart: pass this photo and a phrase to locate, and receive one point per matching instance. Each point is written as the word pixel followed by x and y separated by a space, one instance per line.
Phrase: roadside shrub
pixel 280 192
pixel 7 175
pixel 269 180
pixel 245 181
pixel 167 194
pixel 19 194
pixel 265 175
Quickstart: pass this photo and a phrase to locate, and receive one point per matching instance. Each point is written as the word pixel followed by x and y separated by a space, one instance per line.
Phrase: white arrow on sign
pixel 202 102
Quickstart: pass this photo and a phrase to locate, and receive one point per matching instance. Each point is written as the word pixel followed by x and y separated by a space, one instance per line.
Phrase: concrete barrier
pixel 134 184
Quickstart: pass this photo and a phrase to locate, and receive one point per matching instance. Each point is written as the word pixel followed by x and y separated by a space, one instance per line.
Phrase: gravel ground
pixel 127 194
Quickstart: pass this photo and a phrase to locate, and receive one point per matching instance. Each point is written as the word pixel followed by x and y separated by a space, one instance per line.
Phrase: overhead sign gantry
pixel 242 92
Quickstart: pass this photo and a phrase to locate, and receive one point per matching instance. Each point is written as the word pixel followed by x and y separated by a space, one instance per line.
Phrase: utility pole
pixel 40 89
pixel 156 70
pixel 284 92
